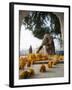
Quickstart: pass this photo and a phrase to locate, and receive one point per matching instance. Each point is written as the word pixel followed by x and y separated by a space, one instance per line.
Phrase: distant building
pixel 30 49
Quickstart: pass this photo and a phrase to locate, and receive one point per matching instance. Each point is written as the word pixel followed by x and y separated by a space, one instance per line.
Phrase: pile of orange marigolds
pixel 30 59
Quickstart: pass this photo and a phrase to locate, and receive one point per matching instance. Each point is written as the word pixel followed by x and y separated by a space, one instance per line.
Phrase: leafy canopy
pixel 42 22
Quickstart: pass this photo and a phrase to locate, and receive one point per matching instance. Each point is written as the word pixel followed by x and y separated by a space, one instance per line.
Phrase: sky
pixel 27 39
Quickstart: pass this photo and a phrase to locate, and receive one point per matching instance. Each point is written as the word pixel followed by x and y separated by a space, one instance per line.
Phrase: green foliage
pixel 39 33
pixel 37 22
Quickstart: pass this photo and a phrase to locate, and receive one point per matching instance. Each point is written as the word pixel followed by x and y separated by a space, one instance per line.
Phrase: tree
pixel 41 23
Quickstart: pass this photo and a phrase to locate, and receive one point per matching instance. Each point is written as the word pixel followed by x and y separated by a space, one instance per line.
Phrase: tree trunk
pixel 48 43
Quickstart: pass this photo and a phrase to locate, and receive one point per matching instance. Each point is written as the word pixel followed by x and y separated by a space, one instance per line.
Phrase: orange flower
pixel 43 68
pixel 50 63
pixel 22 62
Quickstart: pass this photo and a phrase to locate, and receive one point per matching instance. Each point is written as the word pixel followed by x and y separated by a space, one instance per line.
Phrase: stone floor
pixel 56 71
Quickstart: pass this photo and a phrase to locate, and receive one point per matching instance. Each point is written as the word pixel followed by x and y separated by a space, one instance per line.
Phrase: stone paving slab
pixel 56 71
